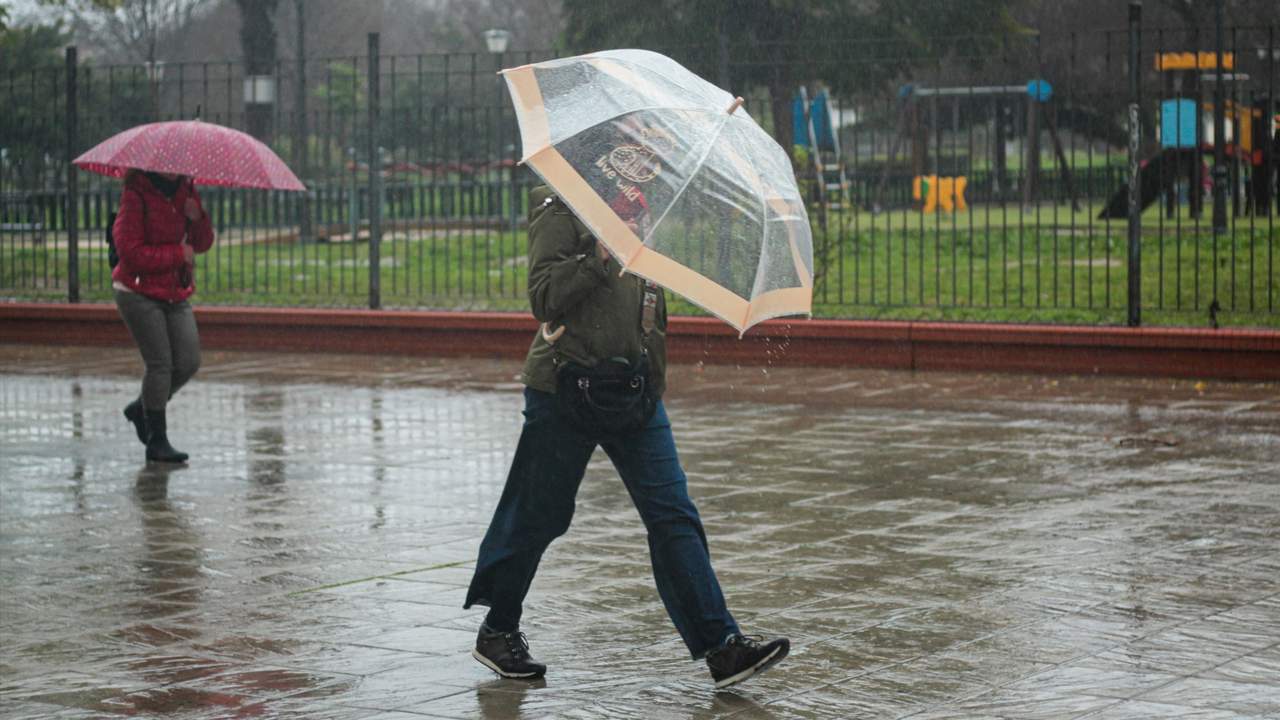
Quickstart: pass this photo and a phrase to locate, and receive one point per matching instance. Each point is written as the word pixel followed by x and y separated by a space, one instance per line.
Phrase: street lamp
pixel 155 70
pixel 155 76
pixel 259 97
pixel 496 40
pixel 259 89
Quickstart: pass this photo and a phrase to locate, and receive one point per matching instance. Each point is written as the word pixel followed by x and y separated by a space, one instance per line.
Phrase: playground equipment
pixel 814 129
pixel 1037 95
pixel 936 192
pixel 1187 132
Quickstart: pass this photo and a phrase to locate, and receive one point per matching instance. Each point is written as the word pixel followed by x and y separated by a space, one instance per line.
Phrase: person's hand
pixel 188 254
pixel 602 252
pixel 192 210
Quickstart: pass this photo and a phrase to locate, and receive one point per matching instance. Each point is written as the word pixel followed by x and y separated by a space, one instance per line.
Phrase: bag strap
pixel 649 310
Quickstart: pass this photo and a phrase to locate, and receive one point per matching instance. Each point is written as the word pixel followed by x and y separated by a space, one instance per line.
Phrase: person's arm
pixel 200 232
pixel 564 266
pixel 129 233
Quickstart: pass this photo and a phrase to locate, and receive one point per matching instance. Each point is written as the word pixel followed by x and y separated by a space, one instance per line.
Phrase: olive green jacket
pixel 570 286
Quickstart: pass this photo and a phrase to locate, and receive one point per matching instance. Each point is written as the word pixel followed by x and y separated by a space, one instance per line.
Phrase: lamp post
pixel 299 145
pixel 496 41
pixel 155 75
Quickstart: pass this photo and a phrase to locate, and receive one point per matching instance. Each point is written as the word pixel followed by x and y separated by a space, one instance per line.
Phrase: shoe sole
pixel 489 664
pixel 767 662
pixel 162 461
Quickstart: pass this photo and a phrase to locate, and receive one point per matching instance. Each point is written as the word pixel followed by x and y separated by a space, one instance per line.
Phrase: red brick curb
pixel 1237 354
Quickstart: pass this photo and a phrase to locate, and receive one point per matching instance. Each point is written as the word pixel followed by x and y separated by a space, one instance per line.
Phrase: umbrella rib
pixel 685 185
pixel 764 244
pixel 680 82
pixel 620 113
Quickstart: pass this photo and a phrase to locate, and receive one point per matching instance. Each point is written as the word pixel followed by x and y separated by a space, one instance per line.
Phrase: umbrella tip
pixel 737 103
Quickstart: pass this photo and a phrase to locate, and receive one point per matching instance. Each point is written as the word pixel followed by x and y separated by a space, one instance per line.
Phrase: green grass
pixel 991 265
pixel 1077 159
pixel 1036 275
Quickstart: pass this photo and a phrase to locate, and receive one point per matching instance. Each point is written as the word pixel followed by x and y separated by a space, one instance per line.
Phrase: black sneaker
pixel 742 656
pixel 506 654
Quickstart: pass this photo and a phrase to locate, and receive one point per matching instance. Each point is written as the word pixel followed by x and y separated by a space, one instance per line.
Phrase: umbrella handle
pixel 551 337
pixel 191 190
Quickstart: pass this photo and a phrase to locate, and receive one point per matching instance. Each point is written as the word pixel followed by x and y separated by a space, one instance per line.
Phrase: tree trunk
pixel 781 95
pixel 258 43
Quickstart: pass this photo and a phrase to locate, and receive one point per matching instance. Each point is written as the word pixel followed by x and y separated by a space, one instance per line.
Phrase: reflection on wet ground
pixel 936 546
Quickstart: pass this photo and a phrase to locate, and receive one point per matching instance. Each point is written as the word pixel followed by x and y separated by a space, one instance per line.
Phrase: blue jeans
pixel 537 506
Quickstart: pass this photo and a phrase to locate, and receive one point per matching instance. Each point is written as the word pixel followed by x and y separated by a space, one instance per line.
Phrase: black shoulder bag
pixel 615 397
pixel 612 398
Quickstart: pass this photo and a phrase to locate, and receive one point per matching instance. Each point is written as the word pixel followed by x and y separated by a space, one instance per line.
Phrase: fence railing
pixel 992 187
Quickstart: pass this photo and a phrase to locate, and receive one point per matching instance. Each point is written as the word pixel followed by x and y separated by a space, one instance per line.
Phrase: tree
pixel 1199 15
pixel 134 29
pixel 780 44
pixel 30 131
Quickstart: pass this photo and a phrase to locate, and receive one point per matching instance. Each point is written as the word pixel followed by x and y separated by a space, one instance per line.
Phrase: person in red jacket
pixel 158 231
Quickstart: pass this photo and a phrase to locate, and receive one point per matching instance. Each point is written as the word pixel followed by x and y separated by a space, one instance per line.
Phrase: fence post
pixel 1219 134
pixel 1219 155
pixel 72 209
pixel 375 182
pixel 1273 160
pixel 300 150
pixel 1135 147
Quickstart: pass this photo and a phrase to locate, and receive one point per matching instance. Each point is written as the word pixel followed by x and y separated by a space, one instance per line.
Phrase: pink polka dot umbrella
pixel 210 154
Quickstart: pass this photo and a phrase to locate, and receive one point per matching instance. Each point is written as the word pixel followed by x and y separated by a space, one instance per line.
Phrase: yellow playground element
pixel 934 191
pixel 1194 61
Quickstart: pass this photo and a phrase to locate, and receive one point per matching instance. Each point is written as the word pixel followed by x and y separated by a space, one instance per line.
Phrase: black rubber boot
pixel 133 413
pixel 158 447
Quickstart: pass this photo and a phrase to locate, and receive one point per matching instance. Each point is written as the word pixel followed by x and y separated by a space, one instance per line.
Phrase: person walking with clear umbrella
pixel 599 325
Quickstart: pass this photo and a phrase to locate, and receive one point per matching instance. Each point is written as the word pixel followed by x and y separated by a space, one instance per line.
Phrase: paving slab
pixel 936 545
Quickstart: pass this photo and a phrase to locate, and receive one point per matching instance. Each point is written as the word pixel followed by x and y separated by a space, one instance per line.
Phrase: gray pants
pixel 167 338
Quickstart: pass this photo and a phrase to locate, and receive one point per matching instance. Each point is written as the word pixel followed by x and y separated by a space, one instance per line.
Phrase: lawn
pixel 993 264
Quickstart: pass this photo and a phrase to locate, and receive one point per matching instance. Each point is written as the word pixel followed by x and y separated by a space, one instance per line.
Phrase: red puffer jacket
pixel 148 235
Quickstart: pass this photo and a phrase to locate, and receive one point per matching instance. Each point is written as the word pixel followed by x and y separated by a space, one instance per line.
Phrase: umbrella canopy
pixel 673 176
pixel 210 154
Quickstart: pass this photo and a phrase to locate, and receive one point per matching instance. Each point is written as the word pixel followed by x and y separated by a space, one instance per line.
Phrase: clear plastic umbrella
pixel 673 176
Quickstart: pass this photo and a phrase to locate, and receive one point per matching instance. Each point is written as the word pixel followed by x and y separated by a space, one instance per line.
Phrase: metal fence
pixel 987 183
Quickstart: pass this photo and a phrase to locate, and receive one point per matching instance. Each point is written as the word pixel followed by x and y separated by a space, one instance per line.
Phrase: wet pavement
pixel 936 546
